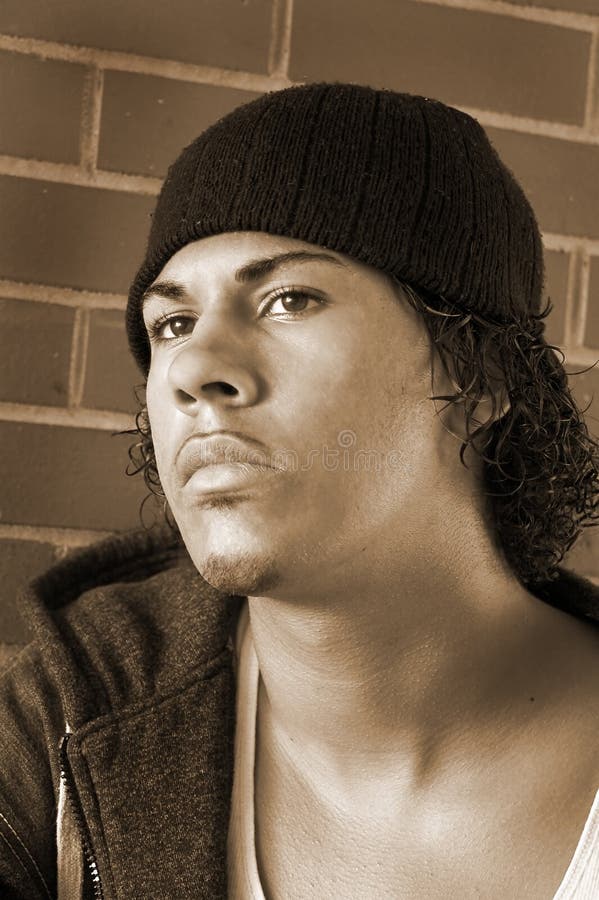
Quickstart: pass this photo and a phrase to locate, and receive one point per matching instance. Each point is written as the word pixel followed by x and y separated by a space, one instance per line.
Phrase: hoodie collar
pixel 126 620
pixel 129 618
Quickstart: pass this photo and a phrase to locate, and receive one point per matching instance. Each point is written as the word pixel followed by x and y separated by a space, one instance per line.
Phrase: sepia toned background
pixel 97 99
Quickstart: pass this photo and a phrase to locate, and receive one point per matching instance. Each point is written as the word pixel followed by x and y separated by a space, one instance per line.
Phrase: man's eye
pixel 170 327
pixel 290 302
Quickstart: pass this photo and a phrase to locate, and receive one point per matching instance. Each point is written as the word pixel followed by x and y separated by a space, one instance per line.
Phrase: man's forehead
pixel 243 245
pixel 247 256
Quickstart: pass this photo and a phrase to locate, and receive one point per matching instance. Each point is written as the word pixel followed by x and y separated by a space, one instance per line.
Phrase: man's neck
pixel 394 666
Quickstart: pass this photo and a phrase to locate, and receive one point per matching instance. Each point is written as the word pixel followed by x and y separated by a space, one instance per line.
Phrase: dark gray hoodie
pixel 133 657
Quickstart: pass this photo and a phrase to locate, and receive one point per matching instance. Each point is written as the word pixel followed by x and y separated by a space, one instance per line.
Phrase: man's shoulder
pixel 145 568
pixel 126 619
pixel 128 557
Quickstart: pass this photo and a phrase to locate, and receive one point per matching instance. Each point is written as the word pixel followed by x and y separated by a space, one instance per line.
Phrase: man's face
pixel 321 370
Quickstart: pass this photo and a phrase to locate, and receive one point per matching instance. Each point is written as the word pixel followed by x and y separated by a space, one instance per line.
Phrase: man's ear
pixel 496 397
pixel 492 406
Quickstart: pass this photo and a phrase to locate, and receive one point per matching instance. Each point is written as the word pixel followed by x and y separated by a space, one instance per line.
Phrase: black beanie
pixel 400 182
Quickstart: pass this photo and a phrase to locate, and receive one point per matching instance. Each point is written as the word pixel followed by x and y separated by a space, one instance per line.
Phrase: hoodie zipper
pixel 66 776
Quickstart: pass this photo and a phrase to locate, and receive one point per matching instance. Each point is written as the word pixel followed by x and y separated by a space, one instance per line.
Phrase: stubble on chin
pixel 241 575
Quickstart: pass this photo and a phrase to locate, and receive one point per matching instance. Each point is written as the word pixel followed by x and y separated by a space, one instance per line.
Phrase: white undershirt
pixel 244 880
pixel 581 881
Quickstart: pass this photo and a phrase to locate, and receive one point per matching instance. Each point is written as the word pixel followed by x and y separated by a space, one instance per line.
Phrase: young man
pixel 353 668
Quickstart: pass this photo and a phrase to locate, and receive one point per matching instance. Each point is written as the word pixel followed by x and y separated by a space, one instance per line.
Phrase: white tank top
pixel 581 881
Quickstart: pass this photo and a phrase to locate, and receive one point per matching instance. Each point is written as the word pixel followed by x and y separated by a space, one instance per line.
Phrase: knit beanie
pixel 403 183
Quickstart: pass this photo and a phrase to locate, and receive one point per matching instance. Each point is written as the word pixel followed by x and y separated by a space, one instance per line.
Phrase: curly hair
pixel 540 464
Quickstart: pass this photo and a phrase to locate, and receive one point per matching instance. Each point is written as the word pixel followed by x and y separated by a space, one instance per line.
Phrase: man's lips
pixel 217 449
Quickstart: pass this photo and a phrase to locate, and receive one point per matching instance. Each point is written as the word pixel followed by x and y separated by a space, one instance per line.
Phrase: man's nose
pixel 206 369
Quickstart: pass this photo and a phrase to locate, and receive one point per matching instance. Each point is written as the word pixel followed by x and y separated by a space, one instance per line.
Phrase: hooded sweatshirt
pixel 117 725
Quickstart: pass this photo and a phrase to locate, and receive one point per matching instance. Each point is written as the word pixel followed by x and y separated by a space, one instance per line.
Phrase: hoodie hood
pixel 134 653
pixel 133 656
pixel 125 620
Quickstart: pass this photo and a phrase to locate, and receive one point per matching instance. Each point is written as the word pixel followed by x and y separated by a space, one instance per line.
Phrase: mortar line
pixel 49 534
pixel 41 293
pixel 78 361
pixel 143 65
pixel 579 319
pixel 91 111
pixel 564 18
pixel 542 127
pixel 570 242
pixel 79 417
pixel 573 286
pixel 64 173
pixel 591 116
pixel 280 38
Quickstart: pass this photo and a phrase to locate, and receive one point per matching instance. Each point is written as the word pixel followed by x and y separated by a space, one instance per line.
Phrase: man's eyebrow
pixel 258 268
pixel 252 271
pixel 170 290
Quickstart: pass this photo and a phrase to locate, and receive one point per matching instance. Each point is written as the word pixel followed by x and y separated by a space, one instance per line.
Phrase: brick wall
pixel 97 99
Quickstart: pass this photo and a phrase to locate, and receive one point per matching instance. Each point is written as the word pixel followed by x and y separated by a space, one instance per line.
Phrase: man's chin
pixel 240 574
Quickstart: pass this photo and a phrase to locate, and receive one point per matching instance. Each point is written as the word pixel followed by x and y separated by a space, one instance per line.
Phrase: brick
pixel 583 6
pixel 560 178
pixel 78 481
pixel 35 347
pixel 146 121
pixel 591 338
pixel 74 236
pixel 21 562
pixel 40 107
pixel 231 33
pixel 556 288
pixel 111 373
pixel 459 56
